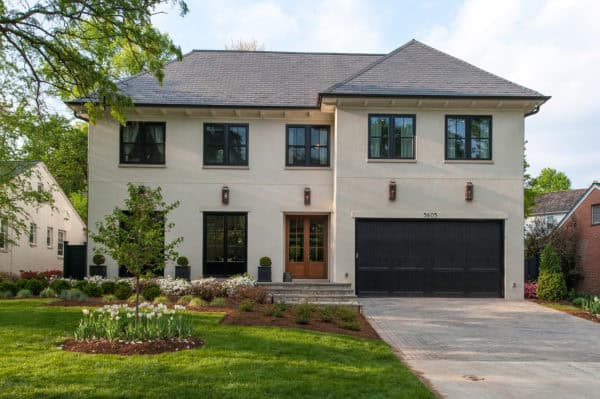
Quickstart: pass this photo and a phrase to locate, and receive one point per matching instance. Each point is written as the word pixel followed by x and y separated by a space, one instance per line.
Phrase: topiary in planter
pixel 265 261
pixel 182 261
pixel 98 260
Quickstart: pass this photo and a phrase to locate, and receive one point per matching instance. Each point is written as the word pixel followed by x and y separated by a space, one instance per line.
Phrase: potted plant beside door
pixel 182 270
pixel 264 270
pixel 98 268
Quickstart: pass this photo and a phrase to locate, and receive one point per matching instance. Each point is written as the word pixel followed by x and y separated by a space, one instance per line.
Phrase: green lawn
pixel 236 362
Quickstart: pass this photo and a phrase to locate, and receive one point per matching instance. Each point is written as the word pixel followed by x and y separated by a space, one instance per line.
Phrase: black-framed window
pixel 225 144
pixel 225 243
pixel 32 234
pixel 392 136
pixel 468 137
pixel 307 145
pixel 143 143
pixel 595 214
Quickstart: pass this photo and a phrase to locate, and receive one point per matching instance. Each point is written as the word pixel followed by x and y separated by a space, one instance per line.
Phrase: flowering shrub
pixel 48 274
pixel 531 290
pixel 234 283
pixel 173 287
pixel 208 288
pixel 117 322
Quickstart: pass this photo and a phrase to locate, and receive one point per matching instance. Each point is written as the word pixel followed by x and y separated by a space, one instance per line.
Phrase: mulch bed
pixel 103 346
pixel 258 318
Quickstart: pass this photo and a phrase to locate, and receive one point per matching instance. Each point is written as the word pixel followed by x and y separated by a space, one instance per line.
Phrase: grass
pixel 236 362
pixel 563 307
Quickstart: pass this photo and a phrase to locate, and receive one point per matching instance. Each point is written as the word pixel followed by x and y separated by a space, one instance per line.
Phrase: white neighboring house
pixel 400 174
pixel 50 225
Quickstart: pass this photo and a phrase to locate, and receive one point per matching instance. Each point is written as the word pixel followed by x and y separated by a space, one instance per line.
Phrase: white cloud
pixel 549 46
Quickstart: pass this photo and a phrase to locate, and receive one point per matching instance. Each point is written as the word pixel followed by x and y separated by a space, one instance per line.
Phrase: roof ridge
pixel 480 69
pixel 370 66
pixel 282 52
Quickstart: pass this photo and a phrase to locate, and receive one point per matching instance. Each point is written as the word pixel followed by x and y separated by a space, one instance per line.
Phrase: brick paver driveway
pixel 475 348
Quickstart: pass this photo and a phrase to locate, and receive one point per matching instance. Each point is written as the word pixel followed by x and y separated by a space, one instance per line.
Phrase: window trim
pixel 122 160
pixel 226 127
pixel 33 234
pixel 204 239
pixel 468 138
pixel 307 146
pixel 60 245
pixel 49 237
pixel 3 234
pixel 391 136
pixel 592 216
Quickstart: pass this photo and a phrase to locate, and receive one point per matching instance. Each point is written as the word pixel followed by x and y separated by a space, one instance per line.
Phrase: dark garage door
pixel 447 258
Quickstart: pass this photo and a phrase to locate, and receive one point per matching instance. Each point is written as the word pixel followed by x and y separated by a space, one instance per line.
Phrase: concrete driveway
pixel 475 348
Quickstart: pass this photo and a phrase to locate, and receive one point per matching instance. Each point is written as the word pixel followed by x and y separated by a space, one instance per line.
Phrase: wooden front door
pixel 306 246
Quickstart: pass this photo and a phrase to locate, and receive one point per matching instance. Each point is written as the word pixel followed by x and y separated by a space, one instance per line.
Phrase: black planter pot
pixel 287 277
pixel 98 270
pixel 182 272
pixel 264 274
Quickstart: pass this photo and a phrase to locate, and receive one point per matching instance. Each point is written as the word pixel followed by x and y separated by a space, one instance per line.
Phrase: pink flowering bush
pixel 531 290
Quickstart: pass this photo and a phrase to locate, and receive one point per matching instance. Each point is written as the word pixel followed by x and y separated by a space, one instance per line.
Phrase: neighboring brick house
pixel 586 217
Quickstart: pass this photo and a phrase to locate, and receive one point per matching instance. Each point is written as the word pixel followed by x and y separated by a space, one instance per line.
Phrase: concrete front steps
pixel 319 293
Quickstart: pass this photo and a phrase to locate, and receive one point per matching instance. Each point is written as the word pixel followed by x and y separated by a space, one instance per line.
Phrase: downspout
pixel 535 111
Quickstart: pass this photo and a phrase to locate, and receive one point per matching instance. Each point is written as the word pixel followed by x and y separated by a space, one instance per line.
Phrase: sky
pixel 551 46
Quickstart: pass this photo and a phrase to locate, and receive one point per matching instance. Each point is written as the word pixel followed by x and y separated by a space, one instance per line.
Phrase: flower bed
pixel 113 329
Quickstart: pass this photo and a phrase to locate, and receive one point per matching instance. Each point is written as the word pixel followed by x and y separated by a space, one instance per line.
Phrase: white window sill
pixel 141 165
pixel 234 167
pixel 370 160
pixel 471 161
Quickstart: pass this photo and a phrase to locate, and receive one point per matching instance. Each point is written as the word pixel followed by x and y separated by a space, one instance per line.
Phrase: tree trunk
pixel 137 302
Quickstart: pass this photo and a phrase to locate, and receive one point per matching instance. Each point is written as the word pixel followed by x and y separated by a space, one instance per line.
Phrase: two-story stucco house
pixel 49 226
pixel 399 173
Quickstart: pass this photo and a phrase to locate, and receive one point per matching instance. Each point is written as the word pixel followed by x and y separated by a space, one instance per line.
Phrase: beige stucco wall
pixel 353 187
pixel 60 216
pixel 430 184
pixel 266 189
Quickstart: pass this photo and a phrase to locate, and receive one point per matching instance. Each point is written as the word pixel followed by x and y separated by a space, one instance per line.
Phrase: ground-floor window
pixel 60 244
pixel 225 243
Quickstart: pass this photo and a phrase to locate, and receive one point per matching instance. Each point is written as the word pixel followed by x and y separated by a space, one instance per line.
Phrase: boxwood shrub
pixel 8 286
pixel 59 285
pixel 151 291
pixel 108 287
pixel 123 290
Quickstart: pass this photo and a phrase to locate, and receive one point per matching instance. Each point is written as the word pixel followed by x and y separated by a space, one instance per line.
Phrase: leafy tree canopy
pixel 550 180
pixel 80 48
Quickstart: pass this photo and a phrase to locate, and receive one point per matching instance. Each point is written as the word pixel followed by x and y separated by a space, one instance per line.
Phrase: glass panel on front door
pixel 306 246
pixel 296 239
pixel 317 240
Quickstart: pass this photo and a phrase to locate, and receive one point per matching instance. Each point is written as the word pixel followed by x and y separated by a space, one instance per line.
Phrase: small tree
pixel 135 238
pixel 551 282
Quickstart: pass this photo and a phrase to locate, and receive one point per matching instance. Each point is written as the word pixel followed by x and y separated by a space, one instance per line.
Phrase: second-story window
pixel 143 143
pixel 468 137
pixel 307 145
pixel 225 144
pixel 596 214
pixel 391 136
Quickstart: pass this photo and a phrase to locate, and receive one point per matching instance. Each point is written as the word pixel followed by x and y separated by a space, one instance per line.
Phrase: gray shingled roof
pixel 557 201
pixel 286 79
pixel 416 69
pixel 246 78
